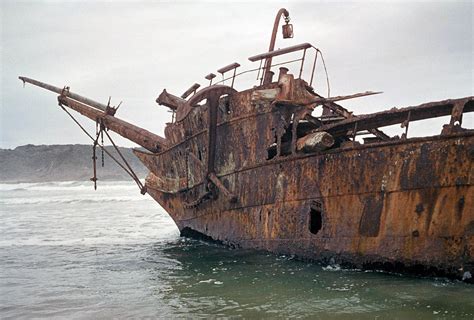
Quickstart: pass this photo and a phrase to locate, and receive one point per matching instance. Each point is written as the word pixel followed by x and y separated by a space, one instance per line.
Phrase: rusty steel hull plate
pixel 393 205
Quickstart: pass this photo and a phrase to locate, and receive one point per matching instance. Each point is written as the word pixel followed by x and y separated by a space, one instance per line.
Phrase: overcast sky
pixel 414 52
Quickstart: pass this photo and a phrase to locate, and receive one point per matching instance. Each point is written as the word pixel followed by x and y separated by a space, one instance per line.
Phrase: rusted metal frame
pixel 142 137
pixel 233 78
pixel 223 123
pixel 331 119
pixel 354 133
pixel 313 120
pixel 236 75
pixel 298 115
pixel 314 68
pixel 302 63
pixel 362 133
pixel 223 70
pixel 285 62
pixel 236 119
pixel 268 62
pixel 187 168
pixel 456 114
pixel 213 101
pixel 338 109
pixel 215 180
pixel 456 119
pixel 390 117
pixel 348 115
pixel 379 134
pixel 279 52
pixel 256 69
pixel 405 125
pixel 229 67
pixel 212 94
pixel 191 89
pixel 209 77
pixel 258 74
pixel 335 152
pixel 322 100
pixel 282 126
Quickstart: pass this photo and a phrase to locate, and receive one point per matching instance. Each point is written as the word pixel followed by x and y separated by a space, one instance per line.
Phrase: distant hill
pixel 31 163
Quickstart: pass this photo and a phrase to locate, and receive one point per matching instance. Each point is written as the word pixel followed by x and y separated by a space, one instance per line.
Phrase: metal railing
pixel 261 57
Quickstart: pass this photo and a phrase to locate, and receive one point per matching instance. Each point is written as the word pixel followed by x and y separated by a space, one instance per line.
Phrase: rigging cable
pixel 130 173
pixel 325 70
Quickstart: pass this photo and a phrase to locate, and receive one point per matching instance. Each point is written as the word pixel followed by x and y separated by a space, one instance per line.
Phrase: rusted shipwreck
pixel 256 169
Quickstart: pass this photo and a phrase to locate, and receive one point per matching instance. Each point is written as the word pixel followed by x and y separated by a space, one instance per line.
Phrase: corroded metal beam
pixel 144 138
pixel 169 100
pixel 67 93
pixel 394 116
pixel 347 114
pixel 191 89
pixel 270 54
pixel 96 111
pixel 320 101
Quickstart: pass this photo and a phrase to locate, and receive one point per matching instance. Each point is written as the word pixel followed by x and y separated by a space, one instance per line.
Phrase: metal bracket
pixel 456 115
pixel 456 119
pixel 405 125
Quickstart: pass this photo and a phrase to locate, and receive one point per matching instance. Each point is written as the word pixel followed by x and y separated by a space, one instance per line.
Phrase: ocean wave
pixel 66 185
pixel 44 200
pixel 167 233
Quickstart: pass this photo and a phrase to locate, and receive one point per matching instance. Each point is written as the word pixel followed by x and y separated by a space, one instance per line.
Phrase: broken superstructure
pixel 257 169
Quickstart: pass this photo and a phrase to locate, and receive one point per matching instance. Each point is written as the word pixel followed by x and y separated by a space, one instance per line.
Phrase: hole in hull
pixel 315 220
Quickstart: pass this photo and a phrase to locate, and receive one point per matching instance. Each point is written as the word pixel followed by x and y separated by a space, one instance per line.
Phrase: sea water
pixel 69 252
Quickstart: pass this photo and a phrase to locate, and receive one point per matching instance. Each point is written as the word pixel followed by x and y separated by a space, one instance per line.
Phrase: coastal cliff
pixel 32 163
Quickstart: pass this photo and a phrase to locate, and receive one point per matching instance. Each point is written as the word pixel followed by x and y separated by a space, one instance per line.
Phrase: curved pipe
pixel 268 61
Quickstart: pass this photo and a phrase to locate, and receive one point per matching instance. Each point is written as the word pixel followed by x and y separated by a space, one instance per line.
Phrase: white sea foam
pixel 166 232
pixel 334 267
pixel 64 200
pixel 67 185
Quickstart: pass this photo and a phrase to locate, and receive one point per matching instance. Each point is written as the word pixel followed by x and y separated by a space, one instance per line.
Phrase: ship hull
pixel 404 205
